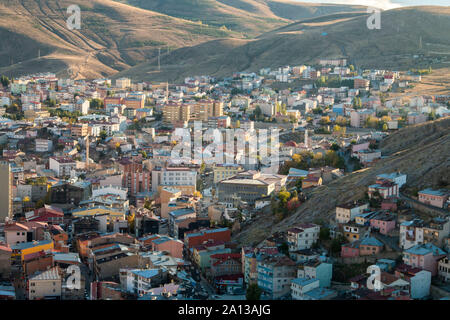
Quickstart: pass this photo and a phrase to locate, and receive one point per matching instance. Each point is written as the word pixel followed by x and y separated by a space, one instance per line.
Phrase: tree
pixel 324 234
pixel 297 158
pixel 253 292
pixel 103 135
pixel 4 81
pixel 284 196
pixel 96 104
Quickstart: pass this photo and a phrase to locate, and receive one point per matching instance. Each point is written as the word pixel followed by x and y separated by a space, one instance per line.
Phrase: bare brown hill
pixel 113 37
pixel 421 151
pixel 404 33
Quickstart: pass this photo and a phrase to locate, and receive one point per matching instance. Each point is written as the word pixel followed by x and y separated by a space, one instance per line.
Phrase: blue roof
pixel 371 241
pixel 181 212
pixel 319 293
pixel 146 273
pixel 433 192
pixel 424 249
pixel 26 245
pixel 297 172
pixel 303 281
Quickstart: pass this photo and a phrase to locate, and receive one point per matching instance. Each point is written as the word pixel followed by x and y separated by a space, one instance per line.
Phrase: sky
pixel 385 4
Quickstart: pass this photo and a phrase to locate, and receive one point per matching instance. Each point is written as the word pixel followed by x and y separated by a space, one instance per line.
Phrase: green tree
pixel 253 292
pixel 4 81
pixel 103 135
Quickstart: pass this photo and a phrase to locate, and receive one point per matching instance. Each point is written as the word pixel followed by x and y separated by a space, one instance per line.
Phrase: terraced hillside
pixel 249 17
pixel 113 37
pixel 404 33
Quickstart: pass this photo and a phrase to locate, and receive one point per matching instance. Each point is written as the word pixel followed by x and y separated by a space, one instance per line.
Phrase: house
pixel 250 258
pixel 346 212
pixel 444 269
pixel 23 250
pixel 419 280
pixel 223 264
pixel 364 247
pixel 194 238
pixel 309 289
pixel 370 246
pixel 432 197
pixel 173 246
pixel 45 285
pixel 411 233
pixel 310 182
pixel 275 274
pixel 384 188
pixel 316 269
pixel 141 281
pixel 384 222
pixel 201 254
pixel 424 256
pixel 396 177
pixel 302 236
pixel 353 232
pixel 436 230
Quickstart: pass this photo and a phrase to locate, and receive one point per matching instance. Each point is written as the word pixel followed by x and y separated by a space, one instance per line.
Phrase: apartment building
pixel 62 166
pixel 359 117
pixel 5 191
pixel 302 236
pixel 347 211
pixel 225 171
pixel 45 285
pixel 275 274
pixel 181 178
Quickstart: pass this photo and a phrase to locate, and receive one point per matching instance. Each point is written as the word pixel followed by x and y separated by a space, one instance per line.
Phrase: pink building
pixel 424 256
pixel 360 146
pixel 384 223
pixel 163 243
pixel 350 250
pixel 432 197
pixel 173 246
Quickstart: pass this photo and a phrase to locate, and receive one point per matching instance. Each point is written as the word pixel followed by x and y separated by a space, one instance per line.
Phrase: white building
pixel 300 286
pixel 347 212
pixel 397 177
pixel 141 281
pixel 303 236
pixel 411 233
pixel 62 166
pixel 82 106
pixel 43 145
pixel 123 83
pixel 173 177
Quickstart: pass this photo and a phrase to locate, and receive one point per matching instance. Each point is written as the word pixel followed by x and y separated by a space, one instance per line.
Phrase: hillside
pixel 341 34
pixel 421 151
pixel 113 37
pixel 249 17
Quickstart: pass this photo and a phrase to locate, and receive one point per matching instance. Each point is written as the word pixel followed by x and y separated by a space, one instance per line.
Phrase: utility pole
pixel 159 59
